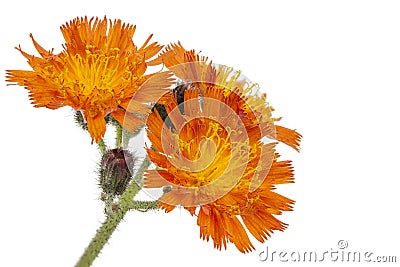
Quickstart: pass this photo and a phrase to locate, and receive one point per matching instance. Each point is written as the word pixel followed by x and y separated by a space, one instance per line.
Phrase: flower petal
pixel 96 126
pixel 154 87
pixel 288 136
pixel 128 120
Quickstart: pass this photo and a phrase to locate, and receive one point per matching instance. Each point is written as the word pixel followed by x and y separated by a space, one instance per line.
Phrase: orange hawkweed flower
pixel 214 144
pixel 100 71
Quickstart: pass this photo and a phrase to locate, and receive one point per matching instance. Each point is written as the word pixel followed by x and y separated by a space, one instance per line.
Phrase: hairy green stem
pixel 118 138
pixel 144 206
pixel 126 136
pixel 102 146
pixel 110 224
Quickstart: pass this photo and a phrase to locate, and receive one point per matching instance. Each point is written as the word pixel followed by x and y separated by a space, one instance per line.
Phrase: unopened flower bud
pixel 116 171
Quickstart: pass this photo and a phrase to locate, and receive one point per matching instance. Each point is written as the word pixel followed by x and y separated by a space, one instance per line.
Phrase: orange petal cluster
pixel 210 149
pixel 100 71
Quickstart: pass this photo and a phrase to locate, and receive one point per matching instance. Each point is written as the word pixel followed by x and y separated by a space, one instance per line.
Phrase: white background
pixel 331 69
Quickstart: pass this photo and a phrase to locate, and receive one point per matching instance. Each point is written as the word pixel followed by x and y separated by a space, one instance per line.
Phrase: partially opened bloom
pixel 100 71
pixel 215 149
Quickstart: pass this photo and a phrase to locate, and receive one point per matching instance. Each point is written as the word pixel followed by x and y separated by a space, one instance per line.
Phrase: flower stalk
pixel 144 206
pixel 118 138
pixel 102 146
pixel 104 233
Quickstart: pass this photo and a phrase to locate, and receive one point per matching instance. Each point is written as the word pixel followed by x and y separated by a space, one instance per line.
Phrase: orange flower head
pixel 214 144
pixel 100 71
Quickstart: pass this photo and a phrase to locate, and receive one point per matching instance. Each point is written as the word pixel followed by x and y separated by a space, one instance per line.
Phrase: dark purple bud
pixel 116 171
